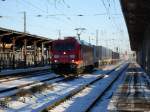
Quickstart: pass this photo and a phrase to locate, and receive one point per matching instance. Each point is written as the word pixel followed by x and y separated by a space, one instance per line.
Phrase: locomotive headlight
pixel 56 56
pixel 55 61
pixel 72 56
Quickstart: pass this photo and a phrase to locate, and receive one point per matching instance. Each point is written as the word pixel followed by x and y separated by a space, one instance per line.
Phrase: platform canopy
pixel 7 35
pixel 137 17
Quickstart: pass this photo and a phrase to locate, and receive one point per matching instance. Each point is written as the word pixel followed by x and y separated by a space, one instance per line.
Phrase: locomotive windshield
pixel 64 46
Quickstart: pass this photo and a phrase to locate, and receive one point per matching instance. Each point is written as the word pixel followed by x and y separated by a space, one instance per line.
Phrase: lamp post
pixel 24 19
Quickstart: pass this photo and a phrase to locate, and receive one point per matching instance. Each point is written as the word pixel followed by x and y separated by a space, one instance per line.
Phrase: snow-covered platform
pixel 25 70
pixel 134 93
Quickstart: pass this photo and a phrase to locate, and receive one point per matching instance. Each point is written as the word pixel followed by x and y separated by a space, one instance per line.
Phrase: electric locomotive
pixel 71 54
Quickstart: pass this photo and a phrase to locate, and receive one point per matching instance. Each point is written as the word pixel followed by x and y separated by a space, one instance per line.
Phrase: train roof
pixel 82 42
pixel 103 47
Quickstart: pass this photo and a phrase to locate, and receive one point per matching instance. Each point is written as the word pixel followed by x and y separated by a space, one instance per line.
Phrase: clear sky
pixel 48 17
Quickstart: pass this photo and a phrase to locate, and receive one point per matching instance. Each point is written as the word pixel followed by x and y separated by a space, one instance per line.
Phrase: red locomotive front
pixel 65 54
pixel 72 55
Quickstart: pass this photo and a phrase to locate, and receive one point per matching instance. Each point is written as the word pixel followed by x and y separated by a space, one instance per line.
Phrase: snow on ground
pixel 60 90
pixel 14 83
pixel 103 103
pixel 39 101
pixel 10 71
pixel 81 101
pixel 10 93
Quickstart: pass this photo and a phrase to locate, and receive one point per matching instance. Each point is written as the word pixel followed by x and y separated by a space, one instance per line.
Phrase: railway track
pixel 82 88
pixel 21 86
pixel 22 76
pixel 29 84
pixel 110 84
pixel 21 73
pixel 56 82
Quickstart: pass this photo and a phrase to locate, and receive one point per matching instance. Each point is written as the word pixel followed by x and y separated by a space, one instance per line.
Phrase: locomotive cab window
pixel 64 46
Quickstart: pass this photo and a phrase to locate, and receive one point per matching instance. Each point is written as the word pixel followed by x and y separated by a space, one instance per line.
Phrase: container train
pixel 71 54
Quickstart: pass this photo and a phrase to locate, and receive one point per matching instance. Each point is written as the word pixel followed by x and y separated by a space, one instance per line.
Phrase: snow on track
pixel 60 90
pixel 14 83
pixel 27 70
pixel 40 101
pixel 47 97
pixel 21 76
pixel 81 101
pixel 104 101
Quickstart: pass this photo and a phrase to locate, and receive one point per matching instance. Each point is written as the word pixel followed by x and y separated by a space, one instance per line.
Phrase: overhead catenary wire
pixel 34 6
pixel 46 14
pixel 46 11
pixel 61 2
pixel 109 15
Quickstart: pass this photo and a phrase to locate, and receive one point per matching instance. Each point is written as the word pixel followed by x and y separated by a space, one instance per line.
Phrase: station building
pixel 21 50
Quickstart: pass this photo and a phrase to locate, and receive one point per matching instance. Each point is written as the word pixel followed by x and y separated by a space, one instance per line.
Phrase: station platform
pixel 133 95
pixel 25 70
